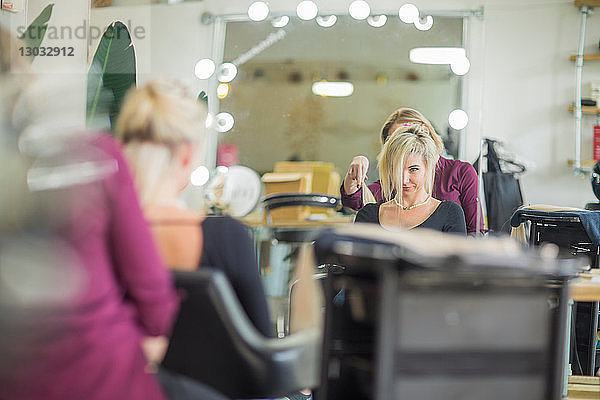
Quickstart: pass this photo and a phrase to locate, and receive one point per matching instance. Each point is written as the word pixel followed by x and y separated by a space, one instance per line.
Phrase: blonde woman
pixel 453 179
pixel 406 169
pixel 160 126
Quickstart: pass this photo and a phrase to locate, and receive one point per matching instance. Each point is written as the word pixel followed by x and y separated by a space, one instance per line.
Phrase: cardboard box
pixel 280 182
pixel 321 174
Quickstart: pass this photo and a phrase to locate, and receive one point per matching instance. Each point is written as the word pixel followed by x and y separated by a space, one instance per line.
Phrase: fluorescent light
pixel 458 119
pixel 425 25
pixel 307 10
pixel 200 176
pixel 333 89
pixel 280 22
pixel 326 22
pixel 224 122
pixel 227 72
pixel 204 68
pixel 377 21
pixel 461 67
pixel 258 11
pixel 436 55
pixel 408 13
pixel 359 9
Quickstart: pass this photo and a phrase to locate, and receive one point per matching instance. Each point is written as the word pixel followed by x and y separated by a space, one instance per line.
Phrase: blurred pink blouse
pixel 88 346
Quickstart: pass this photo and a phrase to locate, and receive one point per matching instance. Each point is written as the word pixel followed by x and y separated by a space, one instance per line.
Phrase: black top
pixel 447 217
pixel 228 247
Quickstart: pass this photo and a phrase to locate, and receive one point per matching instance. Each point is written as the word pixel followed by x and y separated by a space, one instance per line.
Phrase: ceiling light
pixel 461 66
pixel 458 119
pixel 258 11
pixel 408 13
pixel 222 90
pixel 436 55
pixel 307 10
pixel 204 68
pixel 359 9
pixel 200 176
pixel 424 24
pixel 333 89
pixel 227 72
pixel 224 122
pixel 377 21
pixel 280 22
pixel 327 21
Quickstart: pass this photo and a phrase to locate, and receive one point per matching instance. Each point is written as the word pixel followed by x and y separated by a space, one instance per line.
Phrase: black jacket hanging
pixel 502 191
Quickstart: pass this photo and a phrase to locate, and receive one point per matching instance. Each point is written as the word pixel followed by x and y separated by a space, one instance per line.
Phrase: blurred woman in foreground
pixel 81 281
pixel 161 126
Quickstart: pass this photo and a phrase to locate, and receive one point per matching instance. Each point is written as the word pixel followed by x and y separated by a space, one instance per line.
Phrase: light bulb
pixel 458 119
pixel 222 90
pixel 327 22
pixel 258 11
pixel 377 21
pixel 307 10
pixel 204 68
pixel 461 66
pixel 408 13
pixel 200 176
pixel 281 21
pixel 359 9
pixel 227 72
pixel 224 122
pixel 424 24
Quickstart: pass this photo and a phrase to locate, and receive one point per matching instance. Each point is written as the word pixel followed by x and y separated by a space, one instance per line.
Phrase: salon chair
pixel 215 343
pixel 454 320
pixel 577 234
pixel 297 234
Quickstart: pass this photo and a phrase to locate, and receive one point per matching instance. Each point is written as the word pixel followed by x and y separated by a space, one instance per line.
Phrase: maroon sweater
pixel 454 181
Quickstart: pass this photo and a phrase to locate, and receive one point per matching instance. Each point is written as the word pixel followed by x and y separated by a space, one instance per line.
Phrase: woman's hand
pixel 154 348
pixel 356 175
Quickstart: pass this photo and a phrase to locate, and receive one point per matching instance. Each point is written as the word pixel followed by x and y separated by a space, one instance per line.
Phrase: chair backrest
pixel 214 342
pixel 402 322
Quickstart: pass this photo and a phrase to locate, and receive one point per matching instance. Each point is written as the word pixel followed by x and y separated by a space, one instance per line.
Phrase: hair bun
pixel 418 128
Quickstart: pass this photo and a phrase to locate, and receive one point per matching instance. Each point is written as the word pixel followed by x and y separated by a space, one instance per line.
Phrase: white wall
pixel 173 38
pixel 518 89
pixel 61 76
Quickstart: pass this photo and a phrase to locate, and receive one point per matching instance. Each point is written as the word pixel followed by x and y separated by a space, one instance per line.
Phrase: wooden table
pixel 585 288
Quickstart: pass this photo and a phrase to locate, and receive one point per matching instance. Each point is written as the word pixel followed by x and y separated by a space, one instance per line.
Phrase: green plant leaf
pixel 203 97
pixel 111 74
pixel 35 32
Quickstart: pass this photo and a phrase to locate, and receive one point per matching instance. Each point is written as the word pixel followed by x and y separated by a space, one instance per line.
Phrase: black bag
pixel 502 192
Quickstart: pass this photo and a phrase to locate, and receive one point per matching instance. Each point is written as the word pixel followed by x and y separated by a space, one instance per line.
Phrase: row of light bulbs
pixel 308 10
pixel 457 119
pixel 358 9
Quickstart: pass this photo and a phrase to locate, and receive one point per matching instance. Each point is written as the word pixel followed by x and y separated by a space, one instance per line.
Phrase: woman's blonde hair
pixel 408 116
pixel 154 121
pixel 406 139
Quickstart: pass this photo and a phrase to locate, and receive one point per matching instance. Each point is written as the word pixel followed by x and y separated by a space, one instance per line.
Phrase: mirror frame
pixel 219 23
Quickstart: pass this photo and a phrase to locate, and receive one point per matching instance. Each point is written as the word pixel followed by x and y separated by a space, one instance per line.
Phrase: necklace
pixel 413 206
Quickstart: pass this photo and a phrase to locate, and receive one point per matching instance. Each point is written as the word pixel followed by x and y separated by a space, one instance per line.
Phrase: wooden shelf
pixel 586 110
pixel 584 163
pixel 589 3
pixel 587 57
